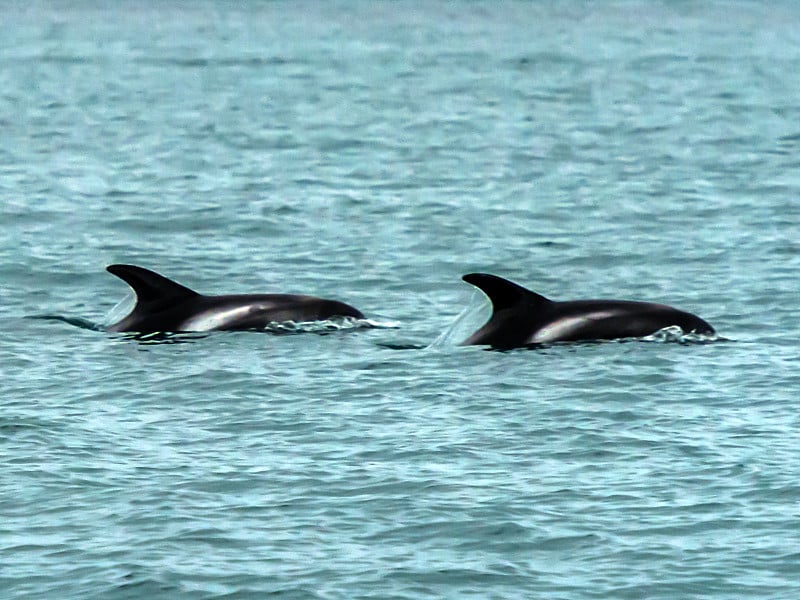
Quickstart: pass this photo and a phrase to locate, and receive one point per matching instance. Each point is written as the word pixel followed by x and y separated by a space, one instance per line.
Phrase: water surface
pixel 374 153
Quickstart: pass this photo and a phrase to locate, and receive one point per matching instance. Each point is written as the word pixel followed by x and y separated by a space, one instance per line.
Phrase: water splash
pixel 674 334
pixel 120 310
pixel 124 307
pixel 468 320
pixel 326 326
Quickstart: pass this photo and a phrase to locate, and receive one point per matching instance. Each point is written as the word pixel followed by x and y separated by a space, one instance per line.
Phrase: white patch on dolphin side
pixel 211 320
pixel 566 326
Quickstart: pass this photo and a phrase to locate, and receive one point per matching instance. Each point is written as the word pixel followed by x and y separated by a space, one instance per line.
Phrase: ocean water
pixel 374 153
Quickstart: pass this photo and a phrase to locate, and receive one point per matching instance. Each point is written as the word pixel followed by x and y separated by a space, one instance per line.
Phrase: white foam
pixel 333 324
pixel 674 333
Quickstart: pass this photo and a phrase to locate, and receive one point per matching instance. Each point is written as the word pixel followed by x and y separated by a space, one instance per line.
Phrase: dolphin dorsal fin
pixel 150 286
pixel 504 293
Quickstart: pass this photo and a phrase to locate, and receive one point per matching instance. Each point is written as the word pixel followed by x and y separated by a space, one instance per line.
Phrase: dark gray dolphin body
pixel 165 306
pixel 521 317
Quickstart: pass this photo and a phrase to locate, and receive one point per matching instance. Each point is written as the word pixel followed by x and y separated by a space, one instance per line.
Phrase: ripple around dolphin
pixel 451 336
pixel 470 318
pixel 326 327
pixel 74 321
pixel 126 304
pixel 674 334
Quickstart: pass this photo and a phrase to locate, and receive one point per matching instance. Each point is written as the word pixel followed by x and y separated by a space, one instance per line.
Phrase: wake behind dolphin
pixel 162 305
pixel 521 317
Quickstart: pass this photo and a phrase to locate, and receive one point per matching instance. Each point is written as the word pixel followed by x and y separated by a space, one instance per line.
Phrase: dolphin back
pixel 164 305
pixel 522 317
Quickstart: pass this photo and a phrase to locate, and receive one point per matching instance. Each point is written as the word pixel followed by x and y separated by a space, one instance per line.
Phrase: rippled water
pixel 373 153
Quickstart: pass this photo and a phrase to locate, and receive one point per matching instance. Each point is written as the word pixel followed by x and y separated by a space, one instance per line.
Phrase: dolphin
pixel 521 317
pixel 163 305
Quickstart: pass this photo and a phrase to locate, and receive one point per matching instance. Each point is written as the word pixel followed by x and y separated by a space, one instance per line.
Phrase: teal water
pixel 374 153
